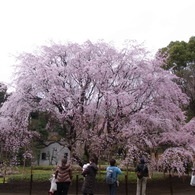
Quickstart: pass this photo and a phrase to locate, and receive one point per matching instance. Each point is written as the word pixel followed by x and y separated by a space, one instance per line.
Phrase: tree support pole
pixel 31 180
pixel 126 184
pixel 77 180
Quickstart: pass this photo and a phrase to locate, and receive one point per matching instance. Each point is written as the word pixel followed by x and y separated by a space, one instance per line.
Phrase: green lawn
pixel 1 180
pixel 43 173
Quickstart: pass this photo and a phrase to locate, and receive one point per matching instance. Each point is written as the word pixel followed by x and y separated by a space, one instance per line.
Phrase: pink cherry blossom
pixel 101 96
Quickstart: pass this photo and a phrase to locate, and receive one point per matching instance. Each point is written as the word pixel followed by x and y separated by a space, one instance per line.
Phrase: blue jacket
pixel 116 171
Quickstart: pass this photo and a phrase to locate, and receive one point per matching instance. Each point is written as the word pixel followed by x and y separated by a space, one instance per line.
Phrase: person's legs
pixel 138 191
pixel 112 189
pixel 65 187
pixel 109 187
pixel 144 182
pixel 59 188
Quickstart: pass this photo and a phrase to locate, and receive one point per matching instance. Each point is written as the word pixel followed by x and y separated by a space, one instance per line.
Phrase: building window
pixel 66 155
pixel 43 156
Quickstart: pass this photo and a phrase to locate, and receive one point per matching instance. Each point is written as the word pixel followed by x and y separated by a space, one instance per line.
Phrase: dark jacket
pixel 89 182
pixel 142 167
pixel 63 173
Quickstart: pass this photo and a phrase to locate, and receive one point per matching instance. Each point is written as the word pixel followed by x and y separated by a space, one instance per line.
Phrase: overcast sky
pixel 27 24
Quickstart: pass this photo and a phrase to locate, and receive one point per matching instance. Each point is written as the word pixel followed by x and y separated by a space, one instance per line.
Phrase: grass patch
pixel 2 180
pixel 43 173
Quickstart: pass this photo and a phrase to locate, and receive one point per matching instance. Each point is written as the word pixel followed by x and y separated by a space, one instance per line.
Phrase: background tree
pixel 3 98
pixel 3 93
pixel 101 97
pixel 180 59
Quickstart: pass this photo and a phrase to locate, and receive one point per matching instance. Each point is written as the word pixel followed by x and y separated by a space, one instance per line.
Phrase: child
pixel 53 187
pixel 85 166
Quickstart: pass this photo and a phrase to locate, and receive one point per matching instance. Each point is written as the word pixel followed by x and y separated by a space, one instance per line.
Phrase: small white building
pixel 52 154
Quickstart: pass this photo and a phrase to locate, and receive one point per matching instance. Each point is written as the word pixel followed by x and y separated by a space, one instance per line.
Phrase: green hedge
pixel 43 167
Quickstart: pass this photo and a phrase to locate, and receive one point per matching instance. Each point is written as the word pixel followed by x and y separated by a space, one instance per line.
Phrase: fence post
pixel 171 183
pixel 31 180
pixel 126 184
pixel 77 181
pixel 4 175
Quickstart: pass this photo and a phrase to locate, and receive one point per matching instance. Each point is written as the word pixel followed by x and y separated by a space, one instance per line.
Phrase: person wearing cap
pixel 142 175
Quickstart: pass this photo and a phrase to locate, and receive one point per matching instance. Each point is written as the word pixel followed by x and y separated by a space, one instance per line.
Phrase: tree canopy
pixel 179 54
pixel 103 99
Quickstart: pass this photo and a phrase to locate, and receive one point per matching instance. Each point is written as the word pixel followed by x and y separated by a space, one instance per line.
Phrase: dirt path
pixel 180 186
pixel 187 192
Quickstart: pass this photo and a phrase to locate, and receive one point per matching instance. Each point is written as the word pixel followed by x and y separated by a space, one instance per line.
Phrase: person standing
pixel 63 177
pixel 142 175
pixel 112 172
pixel 89 182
